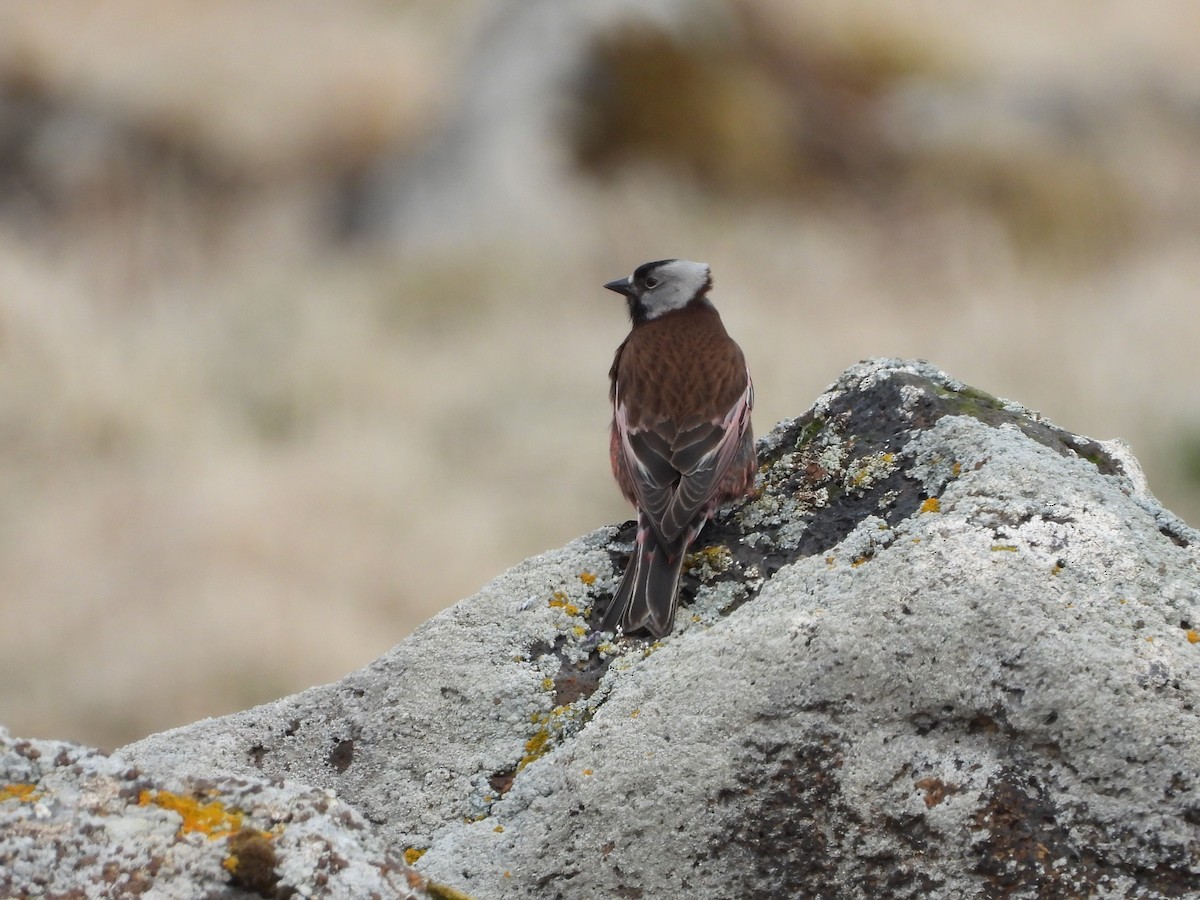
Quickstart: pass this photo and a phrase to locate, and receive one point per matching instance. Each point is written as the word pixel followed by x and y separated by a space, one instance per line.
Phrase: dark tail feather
pixel 649 589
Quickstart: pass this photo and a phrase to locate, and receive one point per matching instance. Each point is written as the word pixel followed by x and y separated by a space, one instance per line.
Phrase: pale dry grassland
pixel 239 457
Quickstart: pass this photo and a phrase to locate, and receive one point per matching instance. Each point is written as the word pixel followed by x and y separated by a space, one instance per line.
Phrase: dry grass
pixel 239 459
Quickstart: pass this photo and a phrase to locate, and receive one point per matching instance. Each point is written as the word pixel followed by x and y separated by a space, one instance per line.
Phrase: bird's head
pixel 659 287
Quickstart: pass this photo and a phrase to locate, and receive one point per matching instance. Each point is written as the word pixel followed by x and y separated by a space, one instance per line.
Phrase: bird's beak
pixel 621 286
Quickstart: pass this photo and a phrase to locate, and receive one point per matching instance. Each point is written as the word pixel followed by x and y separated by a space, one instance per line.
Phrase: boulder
pixel 947 649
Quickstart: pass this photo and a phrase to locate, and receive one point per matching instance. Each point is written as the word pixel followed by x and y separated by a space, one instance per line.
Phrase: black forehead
pixel 646 268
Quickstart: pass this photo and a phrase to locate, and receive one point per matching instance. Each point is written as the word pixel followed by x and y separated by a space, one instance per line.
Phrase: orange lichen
pixel 931 505
pixel 587 578
pixel 559 600
pixel 211 819
pixel 1193 636
pixel 412 854
pixel 21 792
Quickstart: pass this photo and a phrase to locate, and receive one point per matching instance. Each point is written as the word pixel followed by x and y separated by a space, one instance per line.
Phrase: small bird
pixel 681 443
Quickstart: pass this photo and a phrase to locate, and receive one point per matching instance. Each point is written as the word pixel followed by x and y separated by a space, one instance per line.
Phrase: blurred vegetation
pixel 240 454
pixel 760 112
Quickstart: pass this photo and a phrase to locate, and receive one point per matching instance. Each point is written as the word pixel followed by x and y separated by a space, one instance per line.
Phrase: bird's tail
pixel 649 590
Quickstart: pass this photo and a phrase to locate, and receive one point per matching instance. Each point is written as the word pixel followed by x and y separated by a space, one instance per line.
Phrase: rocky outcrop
pixel 948 649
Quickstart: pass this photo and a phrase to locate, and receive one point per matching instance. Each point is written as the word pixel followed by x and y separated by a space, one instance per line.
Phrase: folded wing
pixel 677 474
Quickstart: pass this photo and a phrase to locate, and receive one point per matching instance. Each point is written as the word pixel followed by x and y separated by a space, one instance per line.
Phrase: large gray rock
pixel 950 650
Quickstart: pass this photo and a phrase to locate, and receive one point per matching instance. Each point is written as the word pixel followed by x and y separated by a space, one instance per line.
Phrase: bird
pixel 681 443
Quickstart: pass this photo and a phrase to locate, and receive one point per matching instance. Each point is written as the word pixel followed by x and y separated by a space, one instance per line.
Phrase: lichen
pixel 708 562
pixel 866 471
pixel 21 792
pixel 560 600
pixel 211 819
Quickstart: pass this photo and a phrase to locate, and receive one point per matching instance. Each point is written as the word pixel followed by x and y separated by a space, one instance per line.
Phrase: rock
pixel 75 822
pixel 949 650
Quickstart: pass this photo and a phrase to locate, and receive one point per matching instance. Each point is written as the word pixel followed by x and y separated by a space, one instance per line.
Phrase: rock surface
pixel 75 822
pixel 947 650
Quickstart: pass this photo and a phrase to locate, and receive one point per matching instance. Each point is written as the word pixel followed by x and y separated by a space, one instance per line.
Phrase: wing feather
pixel 675 475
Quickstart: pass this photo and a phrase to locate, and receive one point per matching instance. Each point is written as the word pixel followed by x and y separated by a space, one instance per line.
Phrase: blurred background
pixel 302 337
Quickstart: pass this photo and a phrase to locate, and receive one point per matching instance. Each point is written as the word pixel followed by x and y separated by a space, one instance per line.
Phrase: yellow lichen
pixel 498 829
pixel 717 558
pixel 412 854
pixel 535 747
pixel 559 600
pixel 547 684
pixel 650 648
pixel 1004 548
pixel 587 578
pixel 931 505
pixel 21 792
pixel 211 819
pixel 956 469
pixel 863 473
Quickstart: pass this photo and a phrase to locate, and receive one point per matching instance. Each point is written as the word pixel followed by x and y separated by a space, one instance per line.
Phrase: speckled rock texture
pixel 75 822
pixel 947 650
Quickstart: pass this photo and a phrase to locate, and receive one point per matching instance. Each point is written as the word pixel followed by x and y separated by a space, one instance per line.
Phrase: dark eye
pixel 651 281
